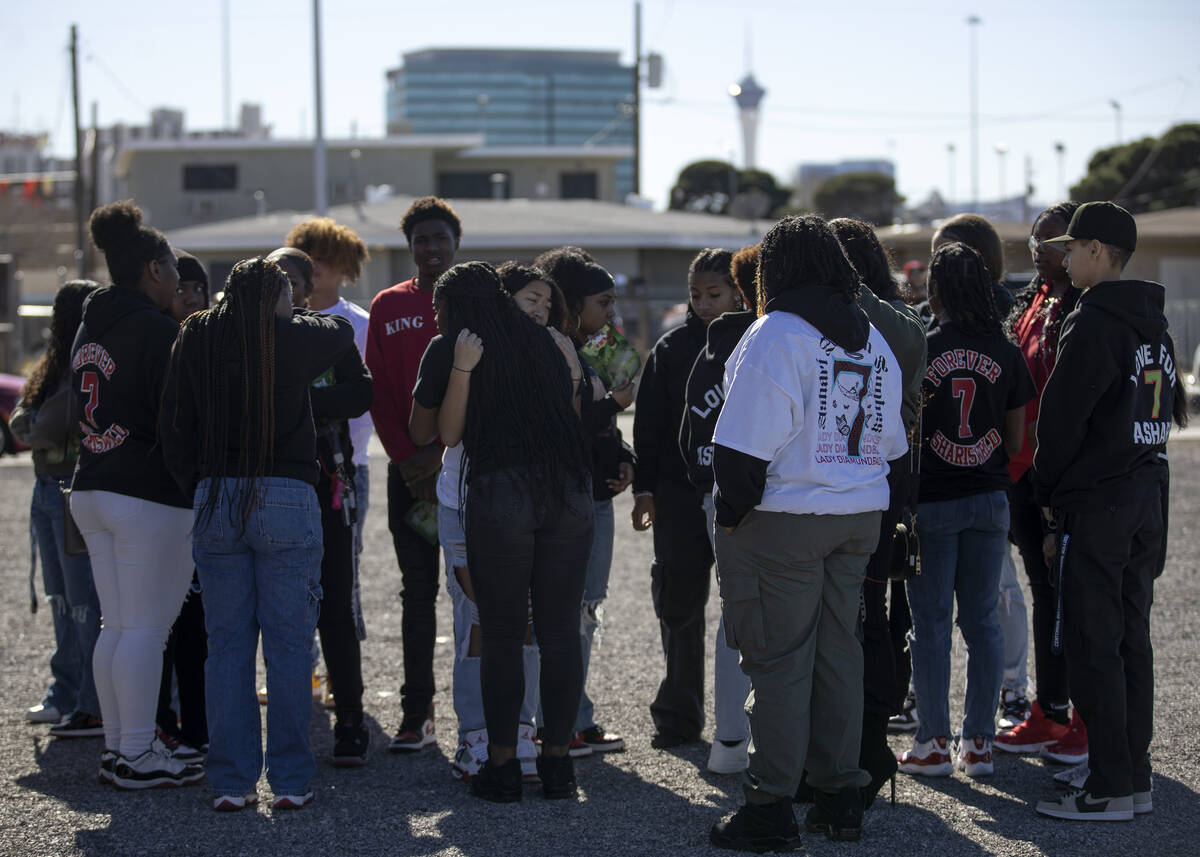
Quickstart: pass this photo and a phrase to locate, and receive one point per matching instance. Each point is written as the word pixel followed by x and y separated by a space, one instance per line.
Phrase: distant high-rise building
pixel 809 177
pixel 748 95
pixel 516 98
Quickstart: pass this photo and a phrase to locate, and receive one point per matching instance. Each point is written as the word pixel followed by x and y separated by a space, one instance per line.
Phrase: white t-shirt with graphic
pixel 827 420
pixel 360 427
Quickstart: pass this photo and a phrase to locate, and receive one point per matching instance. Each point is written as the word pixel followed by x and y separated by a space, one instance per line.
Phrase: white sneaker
pixel 527 752
pixel 927 758
pixel 292 801
pixel 232 803
pixel 729 759
pixel 43 714
pixel 975 757
pixel 472 753
pixel 155 768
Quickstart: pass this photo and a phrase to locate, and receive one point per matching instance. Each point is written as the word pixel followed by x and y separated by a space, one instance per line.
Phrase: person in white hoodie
pixel 812 417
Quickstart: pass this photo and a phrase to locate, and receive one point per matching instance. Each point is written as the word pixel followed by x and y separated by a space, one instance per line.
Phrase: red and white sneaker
pixel 472 753
pixel 975 757
pixel 927 758
pixel 578 747
pixel 1072 747
pixel 413 737
pixel 1036 732
pixel 527 753
pixel 294 801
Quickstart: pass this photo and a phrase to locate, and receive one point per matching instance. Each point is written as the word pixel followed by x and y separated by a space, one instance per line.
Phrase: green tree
pixel 718 187
pixel 870 197
pixel 1148 174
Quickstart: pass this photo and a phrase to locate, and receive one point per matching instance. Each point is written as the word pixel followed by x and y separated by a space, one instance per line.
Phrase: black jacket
pixel 119 364
pixel 338 395
pixel 705 394
pixel 1106 411
pixel 599 418
pixel 306 345
pixel 742 478
pixel 660 405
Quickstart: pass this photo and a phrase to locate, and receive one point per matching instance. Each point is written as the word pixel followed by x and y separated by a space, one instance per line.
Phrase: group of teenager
pixel 855 465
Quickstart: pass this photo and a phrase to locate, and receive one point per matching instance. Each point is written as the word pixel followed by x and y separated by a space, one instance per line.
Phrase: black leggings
pixel 1026 533
pixel 339 637
pixel 522 546
pixel 184 655
pixel 882 693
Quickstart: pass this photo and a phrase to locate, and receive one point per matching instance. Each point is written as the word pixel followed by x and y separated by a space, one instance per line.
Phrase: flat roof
pixel 495 224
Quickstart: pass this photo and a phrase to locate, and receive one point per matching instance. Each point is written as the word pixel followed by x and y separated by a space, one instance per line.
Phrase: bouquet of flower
pixel 611 355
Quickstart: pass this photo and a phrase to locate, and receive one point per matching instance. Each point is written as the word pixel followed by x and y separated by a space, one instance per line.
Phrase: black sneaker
pixel 350 741
pixel 558 776
pixel 498 783
pixel 758 828
pixel 602 741
pixel 837 815
pixel 1014 710
pixel 78 725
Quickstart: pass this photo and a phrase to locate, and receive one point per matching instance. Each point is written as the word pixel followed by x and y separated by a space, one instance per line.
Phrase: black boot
pixel 838 815
pixel 498 783
pixel 558 776
pixel 759 828
pixel 350 740
pixel 876 757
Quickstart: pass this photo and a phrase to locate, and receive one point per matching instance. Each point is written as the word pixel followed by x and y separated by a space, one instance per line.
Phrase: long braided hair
pixel 65 318
pixel 1023 299
pixel 961 280
pixel 237 341
pixel 867 256
pixel 521 372
pixel 802 251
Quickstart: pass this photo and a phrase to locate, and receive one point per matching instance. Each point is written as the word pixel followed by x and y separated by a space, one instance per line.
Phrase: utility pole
pixel 637 98
pixel 80 214
pixel 973 23
pixel 320 198
pixel 94 184
pixel 227 109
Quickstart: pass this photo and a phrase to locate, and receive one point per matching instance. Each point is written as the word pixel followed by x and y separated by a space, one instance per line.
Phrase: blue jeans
pixel 362 495
pixel 595 590
pixel 74 606
pixel 264 576
pixel 1014 626
pixel 962 547
pixel 468 693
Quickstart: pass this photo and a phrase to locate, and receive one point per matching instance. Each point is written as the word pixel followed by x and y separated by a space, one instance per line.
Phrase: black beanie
pixel 190 268
pixel 586 278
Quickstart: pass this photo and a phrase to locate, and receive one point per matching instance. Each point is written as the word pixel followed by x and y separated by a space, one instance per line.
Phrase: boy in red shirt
pixel 401 326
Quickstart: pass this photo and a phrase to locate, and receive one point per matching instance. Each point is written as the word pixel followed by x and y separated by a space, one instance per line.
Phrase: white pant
pixel 141 555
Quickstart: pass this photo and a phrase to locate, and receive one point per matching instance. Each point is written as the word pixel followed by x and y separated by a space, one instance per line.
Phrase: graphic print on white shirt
pixel 850 403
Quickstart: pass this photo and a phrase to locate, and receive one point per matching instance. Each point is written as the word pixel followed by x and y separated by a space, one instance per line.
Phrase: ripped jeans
pixel 261 576
pixel 74 606
pixel 595 590
pixel 468 694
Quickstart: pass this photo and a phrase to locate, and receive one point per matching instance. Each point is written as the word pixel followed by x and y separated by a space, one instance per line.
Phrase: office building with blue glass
pixel 517 98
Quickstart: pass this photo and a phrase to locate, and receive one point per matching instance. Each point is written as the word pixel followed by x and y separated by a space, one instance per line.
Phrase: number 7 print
pixel 1154 376
pixel 89 382
pixel 964 390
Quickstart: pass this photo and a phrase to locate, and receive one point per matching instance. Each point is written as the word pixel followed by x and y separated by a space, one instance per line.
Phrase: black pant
pixel 335 623
pixel 185 653
pixel 1111 556
pixel 899 624
pixel 1027 534
pixel 522 546
pixel 679 581
pixel 418 561
pixel 882 694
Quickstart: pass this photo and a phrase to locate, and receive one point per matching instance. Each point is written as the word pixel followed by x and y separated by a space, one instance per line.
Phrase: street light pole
pixel 1001 151
pixel 1116 106
pixel 1060 151
pixel 973 23
pixel 320 198
pixel 950 190
pixel 637 98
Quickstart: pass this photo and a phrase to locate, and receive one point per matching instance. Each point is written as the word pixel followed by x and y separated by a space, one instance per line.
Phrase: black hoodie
pixel 119 364
pixel 660 405
pixel 705 394
pixel 743 477
pixel 1106 410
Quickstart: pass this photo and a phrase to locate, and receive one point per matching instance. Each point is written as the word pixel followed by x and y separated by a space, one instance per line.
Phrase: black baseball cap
pixel 1105 222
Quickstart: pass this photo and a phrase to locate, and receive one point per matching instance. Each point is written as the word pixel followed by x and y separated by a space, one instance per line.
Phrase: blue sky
pixel 868 79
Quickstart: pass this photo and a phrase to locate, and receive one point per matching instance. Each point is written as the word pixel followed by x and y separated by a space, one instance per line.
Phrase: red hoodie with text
pixel 401 327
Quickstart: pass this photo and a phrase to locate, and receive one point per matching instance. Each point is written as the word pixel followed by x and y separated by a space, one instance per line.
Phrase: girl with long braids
pixel 503 387
pixel 134 518
pixel 976 389
pixel 42 421
pixel 1035 322
pixel 800 453
pixel 237 430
